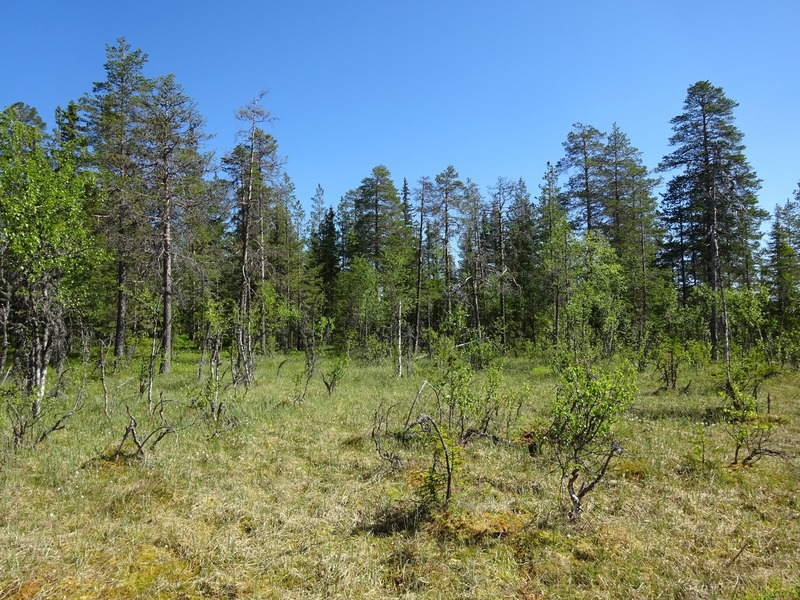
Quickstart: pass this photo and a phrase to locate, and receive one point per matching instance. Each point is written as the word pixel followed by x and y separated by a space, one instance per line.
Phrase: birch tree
pixel 45 251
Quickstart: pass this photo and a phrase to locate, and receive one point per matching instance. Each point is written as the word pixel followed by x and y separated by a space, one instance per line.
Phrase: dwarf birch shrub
pixel 588 404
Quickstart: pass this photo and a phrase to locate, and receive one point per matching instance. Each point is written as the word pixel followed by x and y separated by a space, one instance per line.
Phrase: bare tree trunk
pixel 39 351
pixel 400 339
pixel 475 299
pixel 418 307
pixel 122 310
pixel 6 312
pixel 501 233
pixel 166 336
pixel 244 334
pixel 447 255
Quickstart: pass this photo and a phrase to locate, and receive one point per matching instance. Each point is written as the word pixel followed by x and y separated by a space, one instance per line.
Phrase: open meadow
pixel 279 498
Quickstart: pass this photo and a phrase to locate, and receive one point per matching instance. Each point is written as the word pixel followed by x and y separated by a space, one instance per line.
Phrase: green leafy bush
pixel 587 406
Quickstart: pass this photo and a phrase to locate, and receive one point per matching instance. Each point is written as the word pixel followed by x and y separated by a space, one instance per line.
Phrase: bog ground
pixel 284 499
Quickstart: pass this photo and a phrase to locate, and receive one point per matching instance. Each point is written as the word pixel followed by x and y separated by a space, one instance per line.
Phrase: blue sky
pixel 492 88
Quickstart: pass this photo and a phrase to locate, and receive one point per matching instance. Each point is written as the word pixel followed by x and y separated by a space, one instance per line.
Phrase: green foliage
pixel 357 301
pixel 44 225
pixel 751 370
pixel 583 158
pixel 714 185
pixel 436 486
pixel 588 404
pixel 671 358
pixel 453 375
pixel 337 371
pixel 749 428
pixel 745 426
pixel 783 280
pixel 711 208
pixel 699 444
pixel 46 250
pixel 594 308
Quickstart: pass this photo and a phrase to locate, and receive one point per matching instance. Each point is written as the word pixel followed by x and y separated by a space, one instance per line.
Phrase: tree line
pixel 120 226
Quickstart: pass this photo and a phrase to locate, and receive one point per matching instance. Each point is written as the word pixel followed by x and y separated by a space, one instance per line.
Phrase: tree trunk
pixel 447 255
pixel 501 233
pixel 166 338
pixel 400 339
pixel 244 291
pixel 6 312
pixel 122 310
pixel 418 300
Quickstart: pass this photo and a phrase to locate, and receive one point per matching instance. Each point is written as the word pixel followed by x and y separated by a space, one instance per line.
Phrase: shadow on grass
pixel 392 520
pixel 695 414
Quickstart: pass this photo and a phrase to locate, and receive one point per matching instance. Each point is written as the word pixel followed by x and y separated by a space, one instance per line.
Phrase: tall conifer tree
pixel 711 206
pixel 173 169
pixel 114 115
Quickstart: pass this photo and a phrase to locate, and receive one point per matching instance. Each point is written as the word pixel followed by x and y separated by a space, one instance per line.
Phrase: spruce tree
pixel 783 277
pixel 324 259
pixel 523 259
pixel 633 231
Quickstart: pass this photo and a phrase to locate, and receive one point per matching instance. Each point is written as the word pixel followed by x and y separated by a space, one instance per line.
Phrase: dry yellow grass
pixel 294 502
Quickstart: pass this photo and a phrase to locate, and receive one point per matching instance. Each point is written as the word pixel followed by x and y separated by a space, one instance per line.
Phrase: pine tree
pixel 583 160
pixel 253 167
pixel 711 207
pixel 378 217
pixel 448 194
pixel 27 115
pixel 114 120
pixel 173 166
pixel 381 236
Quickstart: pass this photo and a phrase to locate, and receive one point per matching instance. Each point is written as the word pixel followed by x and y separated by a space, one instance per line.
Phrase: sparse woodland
pixel 584 386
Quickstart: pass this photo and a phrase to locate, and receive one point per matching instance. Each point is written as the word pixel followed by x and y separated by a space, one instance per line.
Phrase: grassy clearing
pixel 294 501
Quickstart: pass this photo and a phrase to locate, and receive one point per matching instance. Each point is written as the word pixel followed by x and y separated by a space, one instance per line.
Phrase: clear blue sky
pixel 492 88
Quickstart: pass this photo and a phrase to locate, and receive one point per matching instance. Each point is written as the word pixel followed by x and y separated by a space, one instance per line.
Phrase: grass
pixel 294 501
